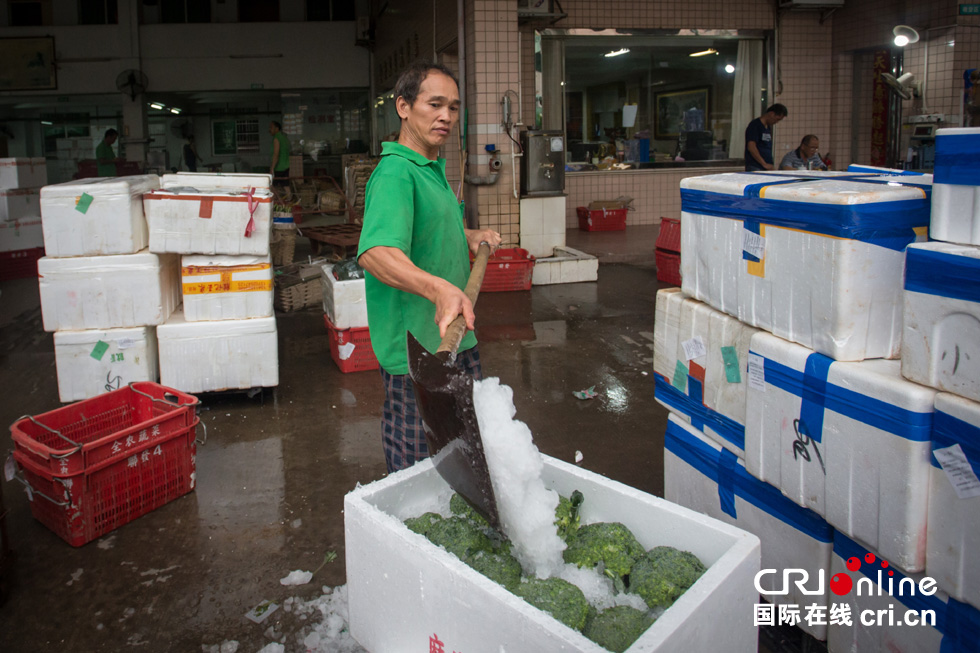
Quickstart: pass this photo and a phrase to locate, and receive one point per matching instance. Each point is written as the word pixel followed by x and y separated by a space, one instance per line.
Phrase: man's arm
pixel 754 151
pixel 275 156
pixel 392 267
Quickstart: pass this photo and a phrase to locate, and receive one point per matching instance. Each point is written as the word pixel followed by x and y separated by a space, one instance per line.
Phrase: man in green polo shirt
pixel 415 251
pixel 105 158
pixel 279 169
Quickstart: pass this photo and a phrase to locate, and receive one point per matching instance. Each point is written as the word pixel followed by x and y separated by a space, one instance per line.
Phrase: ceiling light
pixel 729 68
pixel 174 110
pixel 904 35
pixel 704 52
pixel 156 105
pixel 616 53
pixel 45 122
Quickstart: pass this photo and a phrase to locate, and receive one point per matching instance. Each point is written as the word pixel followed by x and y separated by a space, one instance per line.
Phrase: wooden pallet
pixel 342 239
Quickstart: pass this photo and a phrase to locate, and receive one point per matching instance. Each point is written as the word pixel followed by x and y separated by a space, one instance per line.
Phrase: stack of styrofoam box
pixel 941 349
pixel 102 291
pixel 224 337
pixel 817 261
pixel 21 242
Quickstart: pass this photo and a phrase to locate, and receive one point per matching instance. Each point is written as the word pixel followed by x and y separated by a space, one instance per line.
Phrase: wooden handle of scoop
pixel 457 328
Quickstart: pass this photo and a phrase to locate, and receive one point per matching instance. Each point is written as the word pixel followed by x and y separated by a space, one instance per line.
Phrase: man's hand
pixel 768 166
pixel 450 302
pixel 476 236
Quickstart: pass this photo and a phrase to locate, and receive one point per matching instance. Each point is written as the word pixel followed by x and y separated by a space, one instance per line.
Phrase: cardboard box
pixel 20 172
pixel 96 217
pixel 92 362
pixel 229 221
pixel 216 287
pixel 344 302
pixel 404 590
pixel 20 204
pixel 956 192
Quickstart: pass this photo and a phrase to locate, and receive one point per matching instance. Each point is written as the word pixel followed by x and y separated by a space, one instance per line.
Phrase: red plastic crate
pixel 362 358
pixel 508 269
pixel 668 267
pixel 80 436
pixel 19 264
pixel 601 219
pixel 669 238
pixel 82 507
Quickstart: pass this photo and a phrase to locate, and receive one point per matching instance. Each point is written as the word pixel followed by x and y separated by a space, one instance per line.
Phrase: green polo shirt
pixel 409 205
pixel 103 157
pixel 283 162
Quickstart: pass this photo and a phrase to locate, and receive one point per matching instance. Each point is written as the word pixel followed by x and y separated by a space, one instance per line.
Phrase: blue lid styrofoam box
pixel 956 193
pixel 941 338
pixel 849 440
pixel 953 543
pixel 815 259
pixel 701 475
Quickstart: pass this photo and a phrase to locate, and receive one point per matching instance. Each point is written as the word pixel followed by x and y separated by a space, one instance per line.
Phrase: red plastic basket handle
pixel 162 401
pixel 32 491
pixel 78 446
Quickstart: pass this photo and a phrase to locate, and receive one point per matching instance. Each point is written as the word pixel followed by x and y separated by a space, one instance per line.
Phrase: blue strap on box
pixel 854 167
pixel 957 159
pixel 942 274
pixel 948 430
pixel 815 374
pixel 722 467
pixel 694 408
pixel 874 412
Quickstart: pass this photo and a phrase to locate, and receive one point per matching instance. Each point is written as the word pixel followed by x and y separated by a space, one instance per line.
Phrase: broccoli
pixel 461 537
pixel 461 508
pixel 617 628
pixel 662 574
pixel 499 567
pixel 608 542
pixel 559 598
pixel 423 523
pixel 566 515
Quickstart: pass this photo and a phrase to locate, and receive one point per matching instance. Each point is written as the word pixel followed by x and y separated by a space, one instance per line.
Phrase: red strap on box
pixel 252 205
pixel 207 206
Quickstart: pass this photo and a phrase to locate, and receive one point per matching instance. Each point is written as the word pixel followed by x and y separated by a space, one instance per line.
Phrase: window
pixel 98 12
pixel 650 99
pixel 185 11
pixel 330 10
pixel 27 13
pixel 258 11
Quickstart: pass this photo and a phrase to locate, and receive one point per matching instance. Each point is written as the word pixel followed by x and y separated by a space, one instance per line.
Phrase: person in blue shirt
pixel 758 139
pixel 805 157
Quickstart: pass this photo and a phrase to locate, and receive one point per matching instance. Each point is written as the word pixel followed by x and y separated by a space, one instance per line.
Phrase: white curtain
pixel 747 96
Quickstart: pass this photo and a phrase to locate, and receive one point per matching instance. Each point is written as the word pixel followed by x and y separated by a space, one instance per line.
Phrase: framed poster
pixel 223 138
pixel 679 111
pixel 27 64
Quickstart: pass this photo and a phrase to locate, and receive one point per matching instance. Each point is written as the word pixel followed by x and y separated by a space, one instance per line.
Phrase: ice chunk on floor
pixel 273 647
pixel 298 577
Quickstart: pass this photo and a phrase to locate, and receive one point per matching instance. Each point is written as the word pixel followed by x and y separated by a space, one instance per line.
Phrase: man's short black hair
pixel 808 138
pixel 778 109
pixel 111 132
pixel 410 81
pixel 278 126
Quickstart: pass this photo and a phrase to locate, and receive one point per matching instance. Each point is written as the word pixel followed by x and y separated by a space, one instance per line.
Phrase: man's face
pixel 429 122
pixel 810 148
pixel 774 118
pixel 110 139
pixel 272 129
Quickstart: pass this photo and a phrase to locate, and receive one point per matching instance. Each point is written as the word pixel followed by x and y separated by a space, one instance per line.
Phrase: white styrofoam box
pixel 956 193
pixel 815 260
pixel 889 611
pixel 23 172
pixel 403 589
pixel 708 390
pixel 850 441
pixel 21 234
pixel 211 180
pixel 702 476
pixel 953 543
pixel 108 292
pixel 941 338
pixel 566 265
pixel 20 204
pixel 224 355
pixel 95 217
pixel 214 221
pixel 217 287
pixel 99 360
pixel 344 302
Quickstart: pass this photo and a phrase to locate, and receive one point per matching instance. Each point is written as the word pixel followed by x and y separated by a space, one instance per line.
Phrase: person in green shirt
pixel 280 152
pixel 415 251
pixel 104 156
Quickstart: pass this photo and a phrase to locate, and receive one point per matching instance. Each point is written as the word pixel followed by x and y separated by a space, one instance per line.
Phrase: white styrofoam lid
pixel 92 336
pixel 143 259
pixel 957 131
pixel 959 407
pixel 103 186
pixel 953 249
pixel 177 327
pixel 222 260
pixel 214 192
pixel 216 179
pixel 818 190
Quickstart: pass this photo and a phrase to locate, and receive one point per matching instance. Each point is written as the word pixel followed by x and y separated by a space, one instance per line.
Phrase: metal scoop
pixel 444 394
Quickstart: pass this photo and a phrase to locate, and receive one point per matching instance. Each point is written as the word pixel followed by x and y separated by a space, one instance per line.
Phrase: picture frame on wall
pixel 27 64
pixel 682 110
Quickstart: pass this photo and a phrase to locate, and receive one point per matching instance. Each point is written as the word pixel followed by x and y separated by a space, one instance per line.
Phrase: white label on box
pixel 753 243
pixel 9 468
pixel 958 471
pixel 757 372
pixel 126 343
pixel 694 348
pixel 345 350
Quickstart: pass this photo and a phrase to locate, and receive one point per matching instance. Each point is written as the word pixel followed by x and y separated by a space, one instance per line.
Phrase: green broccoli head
pixel 616 628
pixel 559 598
pixel 662 574
pixel 608 542
pixel 566 515
pixel 460 536
pixel 423 523
pixel 499 567
pixel 461 508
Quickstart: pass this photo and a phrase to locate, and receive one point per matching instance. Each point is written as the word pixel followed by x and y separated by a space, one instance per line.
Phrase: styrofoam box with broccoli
pixel 406 593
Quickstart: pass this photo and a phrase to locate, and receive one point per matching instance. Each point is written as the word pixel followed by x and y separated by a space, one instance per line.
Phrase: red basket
pixel 668 267
pixel 669 237
pixel 361 358
pixel 601 219
pixel 508 269
pixel 19 264
pixel 82 507
pixel 78 437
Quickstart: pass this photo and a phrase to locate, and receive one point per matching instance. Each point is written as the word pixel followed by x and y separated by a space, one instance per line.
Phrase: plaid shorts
pixel 402 434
